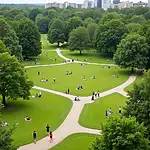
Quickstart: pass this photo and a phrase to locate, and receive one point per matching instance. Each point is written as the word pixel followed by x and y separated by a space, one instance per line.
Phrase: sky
pixel 46 1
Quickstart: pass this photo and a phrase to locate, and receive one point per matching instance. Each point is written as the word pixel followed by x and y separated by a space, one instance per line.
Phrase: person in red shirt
pixel 51 137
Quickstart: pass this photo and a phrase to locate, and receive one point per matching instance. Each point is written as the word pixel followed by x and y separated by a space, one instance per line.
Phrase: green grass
pixel 130 87
pixel 78 141
pixel 93 115
pixel 103 81
pixel 48 51
pixel 51 109
pixel 89 56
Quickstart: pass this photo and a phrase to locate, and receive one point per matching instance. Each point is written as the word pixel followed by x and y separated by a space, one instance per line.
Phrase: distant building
pixel 122 5
pixel 106 4
pixel 116 1
pixel 148 3
pixel 140 4
pixel 90 4
pixel 99 3
pixel 95 3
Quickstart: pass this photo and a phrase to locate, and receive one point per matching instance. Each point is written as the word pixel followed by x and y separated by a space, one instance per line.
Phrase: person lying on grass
pixel 27 118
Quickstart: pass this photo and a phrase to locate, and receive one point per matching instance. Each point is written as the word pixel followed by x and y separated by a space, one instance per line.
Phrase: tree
pixel 33 13
pixel 108 36
pixel 139 102
pixel 52 14
pixel 133 27
pixel 120 133
pixel 13 82
pixel 147 15
pixel 88 21
pixel 6 140
pixel 138 19
pixel 91 29
pixel 3 47
pixel 132 52
pixel 56 32
pixel 79 39
pixel 10 39
pixel 29 38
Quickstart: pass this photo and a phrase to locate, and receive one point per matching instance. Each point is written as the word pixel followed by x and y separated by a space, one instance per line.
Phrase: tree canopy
pixel 79 39
pixel 132 52
pixel 13 82
pixel 29 38
pixel 120 133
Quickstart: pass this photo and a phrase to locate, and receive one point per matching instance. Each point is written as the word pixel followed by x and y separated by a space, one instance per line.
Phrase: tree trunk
pixel 58 44
pixel 80 52
pixel 3 99
pixel 132 69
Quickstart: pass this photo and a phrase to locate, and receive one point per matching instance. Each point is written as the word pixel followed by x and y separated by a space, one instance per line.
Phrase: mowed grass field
pixel 103 81
pixel 78 141
pixel 93 115
pixel 90 56
pixel 49 109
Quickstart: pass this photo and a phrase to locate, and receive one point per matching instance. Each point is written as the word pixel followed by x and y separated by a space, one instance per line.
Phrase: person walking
pixel 47 128
pixel 68 91
pixel 54 79
pixel 106 113
pixel 38 73
pixel 92 98
pixel 51 137
pixel 34 136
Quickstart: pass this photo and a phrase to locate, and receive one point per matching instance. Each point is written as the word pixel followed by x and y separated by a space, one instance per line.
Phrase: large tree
pixel 13 82
pixel 120 133
pixel 10 39
pixel 29 38
pixel 34 12
pixel 79 39
pixel 132 52
pixel 3 48
pixel 139 102
pixel 56 32
pixel 108 36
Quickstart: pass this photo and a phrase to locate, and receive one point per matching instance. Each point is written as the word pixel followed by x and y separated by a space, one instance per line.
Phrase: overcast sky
pixel 46 1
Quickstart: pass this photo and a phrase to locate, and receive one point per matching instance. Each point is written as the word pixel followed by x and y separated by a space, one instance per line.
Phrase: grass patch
pixel 103 81
pixel 93 115
pixel 51 109
pixel 90 56
pixel 78 141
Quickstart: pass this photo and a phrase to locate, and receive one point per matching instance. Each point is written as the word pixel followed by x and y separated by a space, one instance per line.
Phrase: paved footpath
pixel 70 124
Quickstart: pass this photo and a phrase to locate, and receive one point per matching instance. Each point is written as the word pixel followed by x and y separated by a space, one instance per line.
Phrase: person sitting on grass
pixel 27 118
pixel 40 94
pixel 44 80
pixel 84 78
pixel 79 88
pixel 93 77
pixel 4 124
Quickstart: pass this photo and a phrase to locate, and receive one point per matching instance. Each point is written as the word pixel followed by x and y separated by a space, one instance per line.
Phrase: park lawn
pixel 77 141
pixel 93 115
pixel 49 109
pixel 103 81
pixel 89 56
pixel 138 80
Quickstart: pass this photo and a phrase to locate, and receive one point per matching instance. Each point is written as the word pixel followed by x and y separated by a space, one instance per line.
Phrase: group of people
pixel 106 67
pixel 115 76
pixel 52 59
pixel 47 130
pixel 79 87
pixel 44 80
pixel 93 77
pixel 68 91
pixel 27 118
pixel 38 95
pixel 95 94
pixel 4 124
pixel 76 98
pixel 68 73
pixel 110 112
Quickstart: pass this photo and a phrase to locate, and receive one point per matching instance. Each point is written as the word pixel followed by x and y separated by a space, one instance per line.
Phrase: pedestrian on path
pixel 47 128
pixel 95 94
pixel 92 98
pixel 34 136
pixel 51 137
pixel 68 91
pixel 54 79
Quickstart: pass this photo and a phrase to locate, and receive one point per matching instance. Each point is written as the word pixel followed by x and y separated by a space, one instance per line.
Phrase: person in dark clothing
pixel 34 136
pixel 47 128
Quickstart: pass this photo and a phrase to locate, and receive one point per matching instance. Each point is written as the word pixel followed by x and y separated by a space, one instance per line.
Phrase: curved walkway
pixel 70 124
